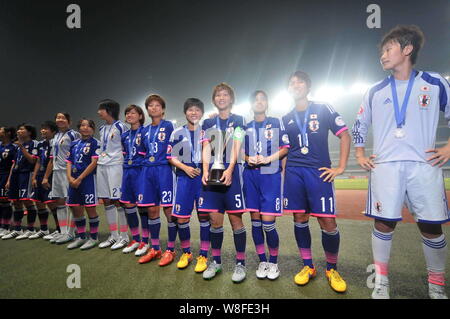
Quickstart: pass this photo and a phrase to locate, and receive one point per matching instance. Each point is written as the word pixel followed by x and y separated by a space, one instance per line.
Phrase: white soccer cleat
pixel 50 236
pixel 131 247
pixel 436 291
pixel 64 238
pixel 123 242
pixel 262 270
pixel 39 234
pixel 142 249
pixel 273 272
pixel 26 235
pixel 212 270
pixel 2 230
pixel 76 243
pixel 12 234
pixel 381 290
pixel 239 274
pixel 109 242
pixel 55 238
pixel 91 243
pixel 6 232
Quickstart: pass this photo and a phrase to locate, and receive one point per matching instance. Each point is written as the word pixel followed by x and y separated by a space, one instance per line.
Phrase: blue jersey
pixel 430 94
pixel 228 125
pixel 133 148
pixel 7 155
pixel 321 119
pixel 81 154
pixel 44 150
pixel 186 146
pixel 21 164
pixel 264 138
pixel 155 141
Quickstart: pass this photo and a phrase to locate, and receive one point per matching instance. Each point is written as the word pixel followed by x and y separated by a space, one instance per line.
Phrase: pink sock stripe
pixel 93 230
pixel 240 255
pixel 204 245
pixel 155 242
pixel 72 224
pixel 170 244
pixel 436 278
pixel 113 227
pixel 135 231
pixel 81 229
pixel 273 251
pixel 123 228
pixel 62 223
pixel 185 244
pixel 260 249
pixel 305 253
pixel 216 252
pixel 381 268
pixel 331 258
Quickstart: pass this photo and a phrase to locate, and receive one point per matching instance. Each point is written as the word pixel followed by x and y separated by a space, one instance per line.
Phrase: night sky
pixel 179 49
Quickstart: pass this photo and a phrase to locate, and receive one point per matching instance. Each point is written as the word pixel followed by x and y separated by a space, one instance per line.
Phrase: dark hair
pixel 66 115
pixel 11 131
pixel 91 123
pixel 302 76
pixel 155 97
pixel 254 94
pixel 138 109
pixel 29 128
pixel 50 125
pixel 111 107
pixel 223 86
pixel 406 35
pixel 193 102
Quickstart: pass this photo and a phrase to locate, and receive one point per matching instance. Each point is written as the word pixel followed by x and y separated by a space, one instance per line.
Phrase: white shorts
pixel 60 184
pixel 109 181
pixel 418 185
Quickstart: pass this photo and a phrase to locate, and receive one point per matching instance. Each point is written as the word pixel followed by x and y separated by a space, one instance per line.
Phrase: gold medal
pixel 152 159
pixel 130 162
pixel 304 150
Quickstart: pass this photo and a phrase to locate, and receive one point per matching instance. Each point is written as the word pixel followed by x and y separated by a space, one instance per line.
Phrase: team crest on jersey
pixel 313 116
pixel 5 153
pixel 425 88
pixel 314 125
pixel 378 207
pixel 138 139
pixel 424 100
pixel 285 139
pixel 86 149
pixel 161 136
pixel 268 134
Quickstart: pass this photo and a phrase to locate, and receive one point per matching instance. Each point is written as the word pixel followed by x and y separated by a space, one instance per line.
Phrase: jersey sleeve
pixel 444 98
pixel 71 157
pixel 336 122
pixel 34 151
pixel 173 140
pixel 283 139
pixel 362 124
pixel 95 148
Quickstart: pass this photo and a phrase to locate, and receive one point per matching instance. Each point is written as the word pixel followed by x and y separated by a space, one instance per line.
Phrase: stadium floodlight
pixel 242 109
pixel 447 77
pixel 329 93
pixel 282 103
pixel 359 88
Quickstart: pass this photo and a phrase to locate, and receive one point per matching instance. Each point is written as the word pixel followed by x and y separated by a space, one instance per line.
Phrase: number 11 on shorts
pixel 323 200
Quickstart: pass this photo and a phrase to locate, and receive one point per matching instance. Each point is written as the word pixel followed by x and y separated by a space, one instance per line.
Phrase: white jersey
pixel 61 147
pixel 429 95
pixel 111 144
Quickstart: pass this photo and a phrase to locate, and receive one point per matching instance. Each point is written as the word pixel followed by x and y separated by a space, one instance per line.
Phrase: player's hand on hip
pixel 440 156
pixel 205 177
pixel 330 173
pixel 366 162
pixel 227 177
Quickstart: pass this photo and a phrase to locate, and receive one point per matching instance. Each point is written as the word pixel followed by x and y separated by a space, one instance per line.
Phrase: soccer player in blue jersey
pixel 264 148
pixel 56 172
pixel 82 193
pixel 7 154
pixel 40 193
pixel 308 184
pixel 109 174
pixel 228 198
pixel 19 182
pixel 157 180
pixel 133 151
pixel 185 153
pixel 405 165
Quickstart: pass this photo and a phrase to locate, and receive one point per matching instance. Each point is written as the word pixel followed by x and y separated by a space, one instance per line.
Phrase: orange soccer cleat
pixel 152 254
pixel 167 258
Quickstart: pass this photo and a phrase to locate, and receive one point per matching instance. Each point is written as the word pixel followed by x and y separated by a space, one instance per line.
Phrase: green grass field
pixel 37 269
pixel 360 183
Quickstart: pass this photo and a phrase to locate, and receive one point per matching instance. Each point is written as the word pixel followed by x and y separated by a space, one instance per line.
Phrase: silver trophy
pixel 217 169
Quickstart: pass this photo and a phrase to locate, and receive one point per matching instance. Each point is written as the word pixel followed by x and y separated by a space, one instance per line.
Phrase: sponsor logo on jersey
pixel 291 122
pixel 161 137
pixel 424 100
pixel 314 125
pixel 339 121
pixel 268 125
pixel 387 101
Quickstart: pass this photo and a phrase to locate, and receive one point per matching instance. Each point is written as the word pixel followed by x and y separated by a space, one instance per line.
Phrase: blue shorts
pixel 306 192
pixel 130 185
pixel 186 195
pixel 223 199
pixel 20 187
pixel 262 192
pixel 40 194
pixel 156 186
pixel 85 194
pixel 3 190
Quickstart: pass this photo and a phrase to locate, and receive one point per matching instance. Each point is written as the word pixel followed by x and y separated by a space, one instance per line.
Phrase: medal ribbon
pixel 131 143
pixel 105 136
pixel 302 127
pixel 154 137
pixel 400 115
pixel 256 135
pixel 192 144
